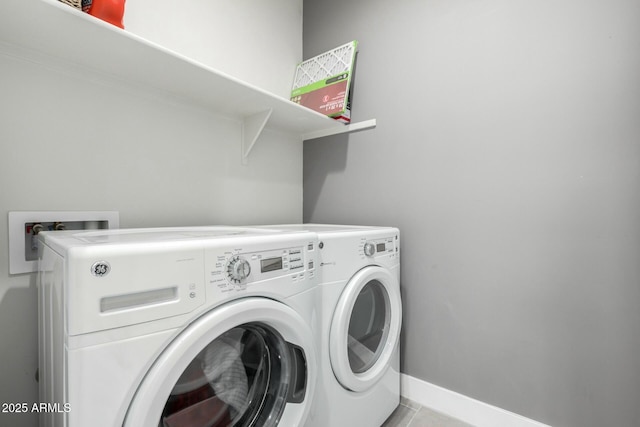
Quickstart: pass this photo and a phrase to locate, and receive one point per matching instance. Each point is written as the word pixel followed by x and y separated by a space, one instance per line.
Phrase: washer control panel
pixel 237 270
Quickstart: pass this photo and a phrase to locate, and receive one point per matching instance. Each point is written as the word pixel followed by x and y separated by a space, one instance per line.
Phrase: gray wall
pixel 508 153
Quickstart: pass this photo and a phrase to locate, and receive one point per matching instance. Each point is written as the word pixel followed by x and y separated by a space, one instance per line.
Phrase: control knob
pixel 369 249
pixel 238 269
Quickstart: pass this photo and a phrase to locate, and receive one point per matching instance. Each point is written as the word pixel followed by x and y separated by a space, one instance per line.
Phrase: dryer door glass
pixel 365 328
pixel 368 327
pixel 240 379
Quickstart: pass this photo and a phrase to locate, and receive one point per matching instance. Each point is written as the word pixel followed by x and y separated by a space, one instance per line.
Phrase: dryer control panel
pixel 380 246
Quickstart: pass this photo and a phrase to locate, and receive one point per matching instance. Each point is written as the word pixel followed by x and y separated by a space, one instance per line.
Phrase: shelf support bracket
pixel 252 127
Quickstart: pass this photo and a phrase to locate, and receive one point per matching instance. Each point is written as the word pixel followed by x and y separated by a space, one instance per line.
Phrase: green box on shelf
pixel 323 83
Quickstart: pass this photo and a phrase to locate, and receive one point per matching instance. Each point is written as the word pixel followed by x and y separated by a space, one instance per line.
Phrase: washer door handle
pixel 298 378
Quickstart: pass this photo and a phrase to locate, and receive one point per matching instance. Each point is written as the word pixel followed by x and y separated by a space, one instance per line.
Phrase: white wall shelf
pixel 52 31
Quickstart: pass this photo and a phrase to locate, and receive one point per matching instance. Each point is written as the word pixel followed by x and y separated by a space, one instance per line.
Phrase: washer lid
pixel 365 328
pixel 240 364
pixel 71 238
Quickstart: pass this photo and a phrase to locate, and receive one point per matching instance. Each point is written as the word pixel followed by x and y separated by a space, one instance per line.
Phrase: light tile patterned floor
pixel 411 414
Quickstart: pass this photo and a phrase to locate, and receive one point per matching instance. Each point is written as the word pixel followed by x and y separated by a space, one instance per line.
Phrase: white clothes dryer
pixel 207 326
pixel 361 317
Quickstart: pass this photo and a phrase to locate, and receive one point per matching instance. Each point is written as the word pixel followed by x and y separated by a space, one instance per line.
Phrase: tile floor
pixel 411 414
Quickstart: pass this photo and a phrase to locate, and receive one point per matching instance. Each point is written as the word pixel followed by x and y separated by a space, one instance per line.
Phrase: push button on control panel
pixel 295 259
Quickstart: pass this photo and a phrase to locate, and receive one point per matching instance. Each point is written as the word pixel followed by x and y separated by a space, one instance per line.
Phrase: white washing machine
pixel 361 317
pixel 211 326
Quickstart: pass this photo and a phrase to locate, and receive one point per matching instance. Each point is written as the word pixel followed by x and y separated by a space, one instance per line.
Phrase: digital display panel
pixel 381 247
pixel 270 264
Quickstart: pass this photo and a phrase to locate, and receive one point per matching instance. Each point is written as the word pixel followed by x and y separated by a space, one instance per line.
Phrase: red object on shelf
pixel 110 11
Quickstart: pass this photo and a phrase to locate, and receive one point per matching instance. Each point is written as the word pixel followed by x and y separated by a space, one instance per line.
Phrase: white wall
pixel 256 41
pixel 80 142
pixel 507 151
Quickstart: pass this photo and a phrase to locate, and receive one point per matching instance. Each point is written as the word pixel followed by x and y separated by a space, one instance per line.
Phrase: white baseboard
pixel 456 405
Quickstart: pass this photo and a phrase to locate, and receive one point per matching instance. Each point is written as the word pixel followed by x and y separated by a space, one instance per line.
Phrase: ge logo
pixel 100 268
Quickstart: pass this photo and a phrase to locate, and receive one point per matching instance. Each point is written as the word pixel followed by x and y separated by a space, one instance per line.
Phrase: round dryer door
pixel 365 328
pixel 241 364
